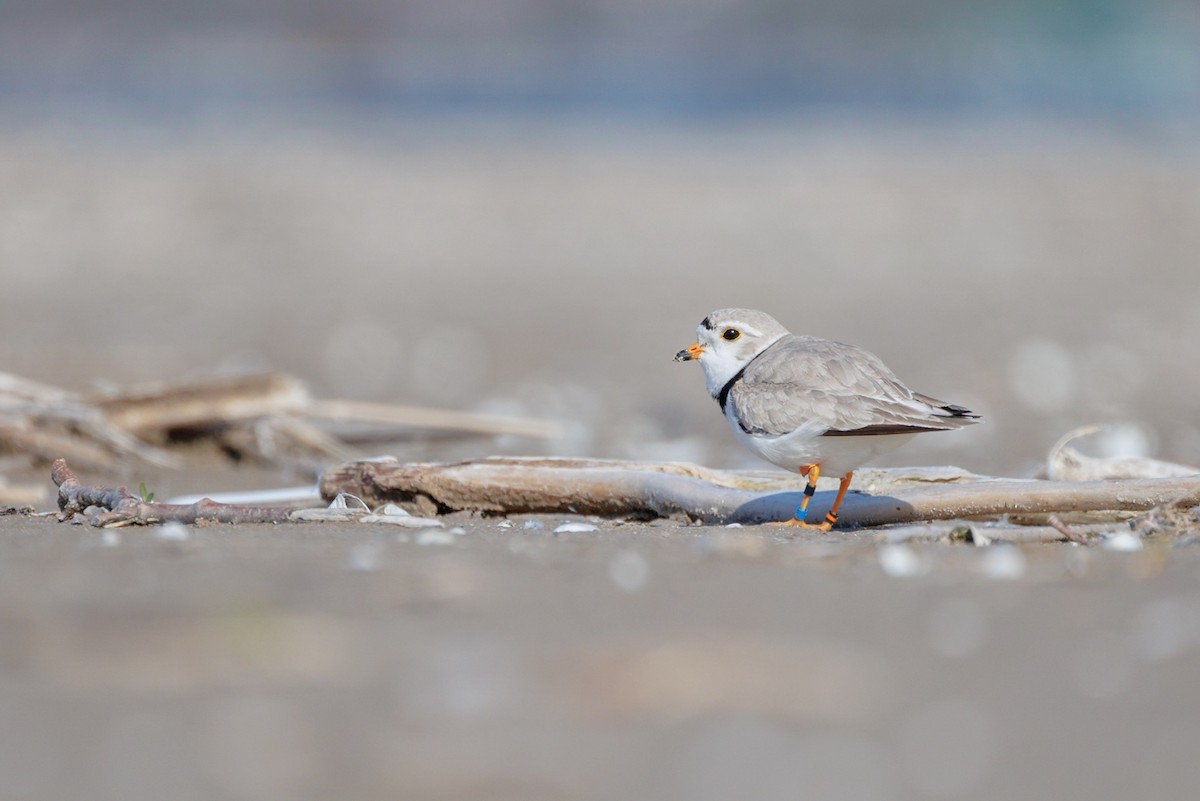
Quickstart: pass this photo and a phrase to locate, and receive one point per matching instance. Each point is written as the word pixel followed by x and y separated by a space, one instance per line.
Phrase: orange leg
pixel 812 472
pixel 831 517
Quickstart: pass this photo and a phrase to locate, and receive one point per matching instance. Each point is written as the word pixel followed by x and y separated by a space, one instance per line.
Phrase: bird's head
pixel 727 340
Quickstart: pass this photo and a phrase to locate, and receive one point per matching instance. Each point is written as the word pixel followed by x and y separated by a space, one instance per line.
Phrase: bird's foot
pixel 794 523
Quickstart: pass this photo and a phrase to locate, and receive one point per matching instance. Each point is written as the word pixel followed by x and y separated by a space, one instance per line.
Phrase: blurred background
pixel 527 206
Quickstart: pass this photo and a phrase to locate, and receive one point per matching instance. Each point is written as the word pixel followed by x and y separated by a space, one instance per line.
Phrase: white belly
pixel 836 455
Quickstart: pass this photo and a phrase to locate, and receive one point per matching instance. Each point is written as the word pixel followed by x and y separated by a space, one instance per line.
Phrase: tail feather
pixel 952 409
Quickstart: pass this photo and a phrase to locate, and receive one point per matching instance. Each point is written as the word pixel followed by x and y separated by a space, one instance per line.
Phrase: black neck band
pixel 723 395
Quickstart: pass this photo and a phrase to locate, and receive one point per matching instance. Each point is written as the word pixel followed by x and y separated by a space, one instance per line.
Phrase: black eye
pixel 731 334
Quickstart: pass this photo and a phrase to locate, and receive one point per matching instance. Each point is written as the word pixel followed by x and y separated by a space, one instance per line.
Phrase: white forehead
pixel 748 321
pixel 717 328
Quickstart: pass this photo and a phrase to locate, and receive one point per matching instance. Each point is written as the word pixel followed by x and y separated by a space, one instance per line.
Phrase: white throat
pixel 721 365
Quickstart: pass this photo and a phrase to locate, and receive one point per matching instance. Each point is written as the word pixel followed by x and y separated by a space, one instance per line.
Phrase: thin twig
pixel 1062 528
pixel 123 508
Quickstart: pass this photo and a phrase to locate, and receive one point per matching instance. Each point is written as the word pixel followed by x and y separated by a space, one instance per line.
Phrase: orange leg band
pixel 832 517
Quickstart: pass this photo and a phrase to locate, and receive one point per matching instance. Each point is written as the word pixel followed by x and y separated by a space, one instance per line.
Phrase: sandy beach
pixel 1043 277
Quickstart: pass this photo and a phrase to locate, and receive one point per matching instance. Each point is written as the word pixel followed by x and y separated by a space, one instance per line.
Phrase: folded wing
pixel 805 380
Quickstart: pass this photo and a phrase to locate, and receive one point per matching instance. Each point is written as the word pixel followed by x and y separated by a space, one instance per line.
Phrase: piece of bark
pixel 120 507
pixel 612 488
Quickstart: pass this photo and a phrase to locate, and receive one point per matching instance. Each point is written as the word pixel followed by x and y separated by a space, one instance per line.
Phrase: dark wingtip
pixel 960 411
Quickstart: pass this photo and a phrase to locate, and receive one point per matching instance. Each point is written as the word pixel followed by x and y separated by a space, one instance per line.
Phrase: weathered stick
pixel 634 489
pixel 270 415
pixel 124 508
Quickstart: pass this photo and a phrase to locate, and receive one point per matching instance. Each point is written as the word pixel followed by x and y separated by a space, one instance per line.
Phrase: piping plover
pixel 810 405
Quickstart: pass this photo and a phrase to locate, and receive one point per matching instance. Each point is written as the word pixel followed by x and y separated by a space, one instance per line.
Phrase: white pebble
pixel 629 570
pixel 433 536
pixel 173 531
pixel 533 525
pixel 504 524
pixel 1004 562
pixel 1124 542
pixel 364 557
pixel 575 528
pixel 899 561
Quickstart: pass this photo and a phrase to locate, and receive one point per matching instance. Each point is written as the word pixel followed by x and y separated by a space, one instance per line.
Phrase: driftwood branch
pixel 1064 463
pixel 154 409
pixel 120 507
pixel 635 489
pixel 269 417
